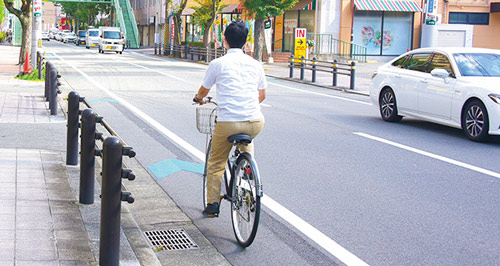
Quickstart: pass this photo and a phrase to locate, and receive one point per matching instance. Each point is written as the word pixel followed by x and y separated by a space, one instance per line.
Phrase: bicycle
pixel 241 179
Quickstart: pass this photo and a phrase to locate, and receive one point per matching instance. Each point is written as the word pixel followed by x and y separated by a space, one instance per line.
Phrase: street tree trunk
pixel 25 16
pixel 178 22
pixel 259 40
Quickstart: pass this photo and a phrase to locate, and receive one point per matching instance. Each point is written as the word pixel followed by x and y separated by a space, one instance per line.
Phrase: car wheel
pixel 121 52
pixel 475 122
pixel 388 106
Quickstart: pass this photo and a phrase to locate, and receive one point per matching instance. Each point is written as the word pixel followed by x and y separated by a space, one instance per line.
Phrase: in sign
pixel 300 33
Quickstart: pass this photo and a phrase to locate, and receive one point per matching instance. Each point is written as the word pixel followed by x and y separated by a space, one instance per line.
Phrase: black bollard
pixel 291 66
pixel 155 49
pixel 335 73
pixel 54 90
pixel 87 157
pixel 48 67
pixel 186 51
pixel 353 74
pixel 109 241
pixel 302 68
pixel 72 131
pixel 314 69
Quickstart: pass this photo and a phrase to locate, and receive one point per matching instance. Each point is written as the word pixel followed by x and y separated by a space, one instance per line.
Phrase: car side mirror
pixel 440 73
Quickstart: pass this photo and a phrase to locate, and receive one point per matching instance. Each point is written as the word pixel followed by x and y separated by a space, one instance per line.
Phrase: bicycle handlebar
pixel 207 100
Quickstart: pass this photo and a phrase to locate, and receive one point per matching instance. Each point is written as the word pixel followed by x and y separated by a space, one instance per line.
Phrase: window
pixel 482 65
pixel 418 62
pixel 469 18
pixel 402 62
pixel 440 61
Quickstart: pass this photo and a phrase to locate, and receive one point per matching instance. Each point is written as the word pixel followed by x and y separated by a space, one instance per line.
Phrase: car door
pixel 408 82
pixel 436 93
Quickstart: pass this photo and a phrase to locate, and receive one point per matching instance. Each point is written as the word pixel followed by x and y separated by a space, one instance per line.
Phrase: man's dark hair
pixel 236 34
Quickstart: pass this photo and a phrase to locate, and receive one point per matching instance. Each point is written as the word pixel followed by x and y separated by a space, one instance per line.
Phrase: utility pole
pixel 36 30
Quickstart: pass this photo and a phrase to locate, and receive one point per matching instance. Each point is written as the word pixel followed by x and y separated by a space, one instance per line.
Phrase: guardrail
pixel 113 170
pixel 194 53
pixel 328 45
pixel 314 65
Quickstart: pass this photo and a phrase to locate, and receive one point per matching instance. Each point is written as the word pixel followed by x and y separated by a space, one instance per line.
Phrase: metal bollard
pixel 155 49
pixel 291 66
pixel 192 53
pixel 302 68
pixel 159 49
pixel 335 73
pixel 48 67
pixel 186 51
pixel 314 69
pixel 72 132
pixel 353 74
pixel 112 173
pixel 87 156
pixel 206 57
pixel 53 90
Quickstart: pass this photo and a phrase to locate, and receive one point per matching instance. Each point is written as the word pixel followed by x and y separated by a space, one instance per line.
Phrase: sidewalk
pixel 41 220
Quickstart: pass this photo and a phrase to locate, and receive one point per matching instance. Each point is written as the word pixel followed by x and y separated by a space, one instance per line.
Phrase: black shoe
pixel 212 210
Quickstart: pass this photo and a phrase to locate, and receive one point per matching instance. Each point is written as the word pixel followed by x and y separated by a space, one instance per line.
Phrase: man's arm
pixel 262 95
pixel 202 93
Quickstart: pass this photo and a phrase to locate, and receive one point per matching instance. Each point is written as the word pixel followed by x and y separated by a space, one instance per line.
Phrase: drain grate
pixel 173 239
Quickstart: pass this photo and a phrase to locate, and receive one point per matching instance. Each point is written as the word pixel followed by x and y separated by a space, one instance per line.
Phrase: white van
pixel 110 39
pixel 92 38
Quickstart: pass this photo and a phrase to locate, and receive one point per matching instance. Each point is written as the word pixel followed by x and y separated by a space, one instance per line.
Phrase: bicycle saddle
pixel 240 139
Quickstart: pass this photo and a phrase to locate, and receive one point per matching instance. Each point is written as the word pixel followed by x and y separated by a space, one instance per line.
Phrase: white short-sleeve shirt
pixel 238 79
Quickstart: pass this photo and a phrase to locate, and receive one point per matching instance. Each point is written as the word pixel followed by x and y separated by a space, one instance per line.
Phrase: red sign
pixel 300 33
pixel 172 32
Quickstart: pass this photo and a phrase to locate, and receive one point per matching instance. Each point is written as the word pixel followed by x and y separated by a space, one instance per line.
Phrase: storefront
pixel 385 27
pixel 302 15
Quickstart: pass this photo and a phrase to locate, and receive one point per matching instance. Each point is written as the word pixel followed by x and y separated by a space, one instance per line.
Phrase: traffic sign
pixel 300 47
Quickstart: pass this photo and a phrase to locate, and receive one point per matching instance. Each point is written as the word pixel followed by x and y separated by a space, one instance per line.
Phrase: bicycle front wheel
pixel 245 204
pixel 205 193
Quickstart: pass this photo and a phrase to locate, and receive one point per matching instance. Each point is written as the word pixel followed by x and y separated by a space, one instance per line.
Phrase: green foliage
pixel 3 35
pixel 2 12
pixel 262 9
pixel 33 76
pixel 204 11
pixel 84 13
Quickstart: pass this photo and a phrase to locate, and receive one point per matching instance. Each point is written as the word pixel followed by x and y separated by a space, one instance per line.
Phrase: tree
pixel 262 10
pixel 25 16
pixel 205 16
pixel 83 12
pixel 177 21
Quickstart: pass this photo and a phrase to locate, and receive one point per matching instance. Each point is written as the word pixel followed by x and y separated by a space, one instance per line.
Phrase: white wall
pixel 328 17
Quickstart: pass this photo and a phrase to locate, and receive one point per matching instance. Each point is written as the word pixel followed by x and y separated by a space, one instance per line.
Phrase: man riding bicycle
pixel 240 88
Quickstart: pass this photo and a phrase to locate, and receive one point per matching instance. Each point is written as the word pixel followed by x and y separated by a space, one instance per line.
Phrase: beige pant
pixel 220 152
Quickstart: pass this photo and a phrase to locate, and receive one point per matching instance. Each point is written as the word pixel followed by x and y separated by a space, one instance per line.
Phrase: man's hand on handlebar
pixel 198 101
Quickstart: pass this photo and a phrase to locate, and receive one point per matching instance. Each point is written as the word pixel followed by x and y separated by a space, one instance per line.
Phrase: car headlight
pixel 495 97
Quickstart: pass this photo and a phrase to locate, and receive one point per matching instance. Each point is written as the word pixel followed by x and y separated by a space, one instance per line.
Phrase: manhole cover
pixel 173 239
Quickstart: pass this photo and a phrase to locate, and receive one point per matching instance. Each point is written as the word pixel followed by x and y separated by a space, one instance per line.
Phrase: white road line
pixel 322 94
pixel 314 234
pixel 431 155
pixel 154 70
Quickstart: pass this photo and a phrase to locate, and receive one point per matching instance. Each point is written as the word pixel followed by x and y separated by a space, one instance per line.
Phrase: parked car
pixel 59 36
pixel 45 35
pixel 69 37
pixel 80 38
pixel 457 87
pixel 52 33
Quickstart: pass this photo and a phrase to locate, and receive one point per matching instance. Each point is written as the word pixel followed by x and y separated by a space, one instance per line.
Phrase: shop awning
pixel 387 5
pixel 229 8
pixel 305 5
pixel 188 11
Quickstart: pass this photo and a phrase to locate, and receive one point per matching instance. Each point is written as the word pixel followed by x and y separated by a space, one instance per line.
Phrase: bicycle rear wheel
pixel 245 205
pixel 205 193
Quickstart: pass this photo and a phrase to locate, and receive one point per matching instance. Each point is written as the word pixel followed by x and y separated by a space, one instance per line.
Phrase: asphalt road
pixel 353 188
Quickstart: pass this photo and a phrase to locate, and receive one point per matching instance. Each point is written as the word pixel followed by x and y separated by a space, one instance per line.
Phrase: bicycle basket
pixel 205 119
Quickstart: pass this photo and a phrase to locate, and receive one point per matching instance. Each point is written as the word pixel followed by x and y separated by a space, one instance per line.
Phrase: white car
pixel 457 87
pixel 45 35
pixel 69 37
pixel 58 36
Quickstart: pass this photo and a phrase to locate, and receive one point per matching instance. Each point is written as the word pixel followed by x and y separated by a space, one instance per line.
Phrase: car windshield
pixel 82 34
pixel 93 33
pixel 72 35
pixel 112 35
pixel 478 64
